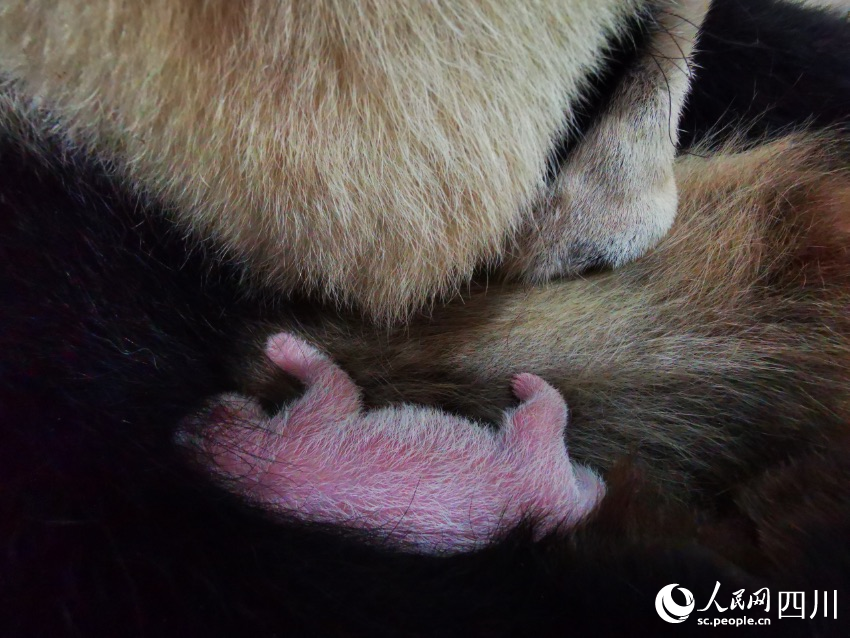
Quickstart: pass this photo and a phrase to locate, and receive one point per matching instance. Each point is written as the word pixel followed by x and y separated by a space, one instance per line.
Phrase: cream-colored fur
pixel 373 151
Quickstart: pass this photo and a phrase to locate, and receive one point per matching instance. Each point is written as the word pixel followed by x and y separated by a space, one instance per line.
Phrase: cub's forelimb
pixel 417 477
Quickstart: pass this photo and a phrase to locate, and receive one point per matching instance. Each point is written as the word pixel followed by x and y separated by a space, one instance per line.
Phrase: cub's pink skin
pixel 420 478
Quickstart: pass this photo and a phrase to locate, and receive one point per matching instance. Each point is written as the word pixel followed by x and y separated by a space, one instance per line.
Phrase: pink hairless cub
pixel 420 478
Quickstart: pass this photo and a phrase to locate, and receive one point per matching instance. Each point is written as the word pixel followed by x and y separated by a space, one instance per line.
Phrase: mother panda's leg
pixel 614 196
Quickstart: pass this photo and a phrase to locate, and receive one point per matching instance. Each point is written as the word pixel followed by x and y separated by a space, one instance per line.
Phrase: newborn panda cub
pixel 419 478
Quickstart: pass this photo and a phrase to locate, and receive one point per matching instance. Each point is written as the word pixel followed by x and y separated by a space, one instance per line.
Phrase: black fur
pixel 764 66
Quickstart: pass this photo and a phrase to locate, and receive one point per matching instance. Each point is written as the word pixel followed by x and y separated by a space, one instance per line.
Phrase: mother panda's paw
pixel 615 196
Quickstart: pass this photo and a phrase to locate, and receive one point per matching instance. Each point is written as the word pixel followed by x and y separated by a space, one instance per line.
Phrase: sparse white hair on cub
pixel 418 478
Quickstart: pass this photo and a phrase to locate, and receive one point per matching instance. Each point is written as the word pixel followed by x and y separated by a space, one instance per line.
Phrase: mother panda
pixel 117 325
